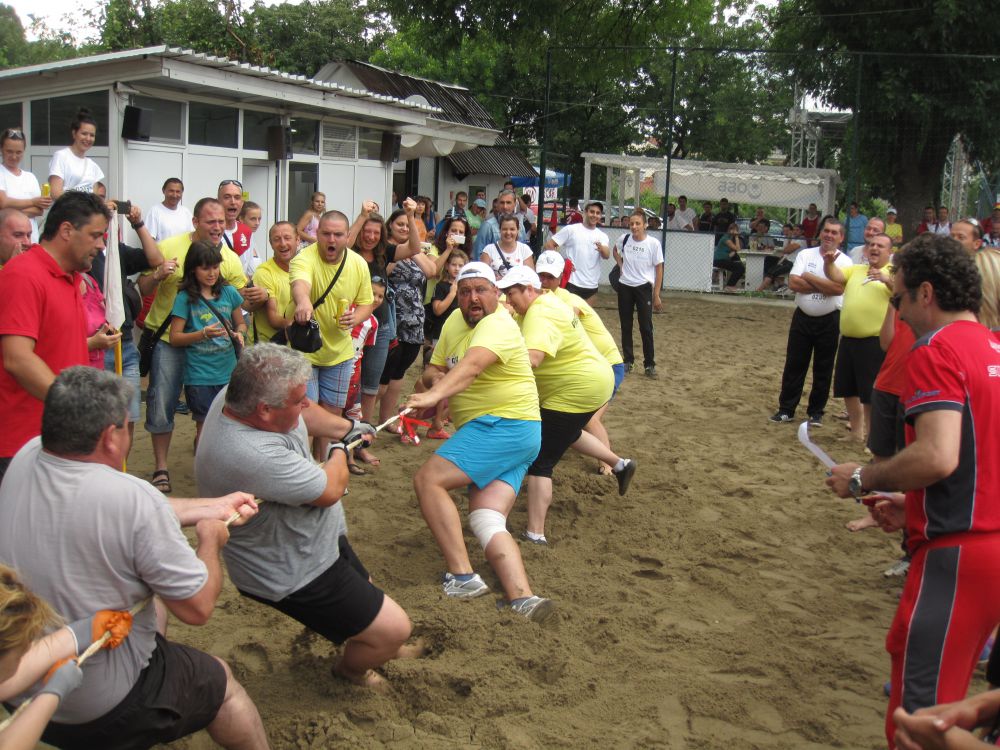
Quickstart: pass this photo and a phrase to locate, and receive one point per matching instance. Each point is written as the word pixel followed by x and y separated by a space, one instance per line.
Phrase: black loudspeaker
pixel 279 143
pixel 390 147
pixel 137 123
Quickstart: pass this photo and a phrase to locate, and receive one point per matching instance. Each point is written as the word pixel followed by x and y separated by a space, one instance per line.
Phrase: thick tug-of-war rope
pixel 113 634
pixel 355 443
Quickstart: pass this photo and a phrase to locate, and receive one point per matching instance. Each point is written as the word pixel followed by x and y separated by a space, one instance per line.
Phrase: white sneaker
pixel 898 568
pixel 469 589
pixel 535 608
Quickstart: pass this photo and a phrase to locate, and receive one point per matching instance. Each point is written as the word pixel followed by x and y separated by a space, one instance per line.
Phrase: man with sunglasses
pixel 236 234
pixel 949 472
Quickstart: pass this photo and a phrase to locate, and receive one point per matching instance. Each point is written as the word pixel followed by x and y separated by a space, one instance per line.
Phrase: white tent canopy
pixel 759 185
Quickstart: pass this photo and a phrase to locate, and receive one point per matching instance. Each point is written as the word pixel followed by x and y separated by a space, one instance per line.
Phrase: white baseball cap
pixel 550 262
pixel 520 275
pixel 476 270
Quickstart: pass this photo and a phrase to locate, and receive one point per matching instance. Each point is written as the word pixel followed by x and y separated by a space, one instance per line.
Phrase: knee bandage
pixel 486 524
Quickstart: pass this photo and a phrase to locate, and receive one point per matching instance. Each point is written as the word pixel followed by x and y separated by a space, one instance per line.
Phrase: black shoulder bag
pixel 615 276
pixel 305 337
pixel 147 342
pixel 237 346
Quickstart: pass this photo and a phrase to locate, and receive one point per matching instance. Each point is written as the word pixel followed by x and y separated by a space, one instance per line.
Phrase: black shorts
pixel 398 361
pixel 178 693
pixel 858 363
pixel 560 429
pixel 581 291
pixel 338 604
pixel 888 432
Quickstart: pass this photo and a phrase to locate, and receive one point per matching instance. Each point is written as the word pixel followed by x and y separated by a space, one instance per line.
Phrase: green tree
pixel 16 50
pixel 908 106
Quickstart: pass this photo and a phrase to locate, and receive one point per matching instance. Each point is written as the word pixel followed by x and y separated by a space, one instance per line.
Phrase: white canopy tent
pixel 759 185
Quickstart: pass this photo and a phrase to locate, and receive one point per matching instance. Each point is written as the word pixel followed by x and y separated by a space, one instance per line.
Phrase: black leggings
pixel 398 362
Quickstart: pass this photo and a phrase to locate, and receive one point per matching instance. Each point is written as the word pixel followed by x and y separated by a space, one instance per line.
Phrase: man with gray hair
pixel 489 230
pixel 15 234
pixel 874 226
pixel 85 536
pixel 295 556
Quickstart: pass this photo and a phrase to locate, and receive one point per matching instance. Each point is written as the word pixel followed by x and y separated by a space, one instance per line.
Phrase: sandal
pixel 437 435
pixel 161 480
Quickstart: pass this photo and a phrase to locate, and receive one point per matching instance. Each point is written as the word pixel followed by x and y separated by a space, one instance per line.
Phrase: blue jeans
pixel 130 371
pixel 166 375
pixel 373 361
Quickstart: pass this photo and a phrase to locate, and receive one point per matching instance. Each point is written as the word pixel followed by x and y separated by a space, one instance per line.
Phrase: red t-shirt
pixel 892 375
pixel 41 301
pixel 809 226
pixel 240 241
pixel 957 368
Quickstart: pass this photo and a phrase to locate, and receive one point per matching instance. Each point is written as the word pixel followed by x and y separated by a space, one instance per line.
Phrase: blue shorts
pixel 328 385
pixel 199 399
pixel 619 371
pixel 130 371
pixel 488 448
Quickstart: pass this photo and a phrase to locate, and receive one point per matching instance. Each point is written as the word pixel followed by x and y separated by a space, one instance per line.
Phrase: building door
pixel 258 181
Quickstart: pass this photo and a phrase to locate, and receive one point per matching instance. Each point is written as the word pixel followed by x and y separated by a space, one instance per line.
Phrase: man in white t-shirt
pixel 169 218
pixel 685 216
pixel 815 328
pixel 874 226
pixel 585 245
pixel 640 258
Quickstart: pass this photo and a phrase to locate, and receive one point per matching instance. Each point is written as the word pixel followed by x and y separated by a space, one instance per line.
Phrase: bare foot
pixel 368 679
pixel 366 456
pixel 604 470
pixel 860 524
pixel 412 650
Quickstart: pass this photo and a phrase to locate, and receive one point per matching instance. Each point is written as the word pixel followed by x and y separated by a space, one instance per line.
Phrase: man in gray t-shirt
pixel 294 554
pixel 85 536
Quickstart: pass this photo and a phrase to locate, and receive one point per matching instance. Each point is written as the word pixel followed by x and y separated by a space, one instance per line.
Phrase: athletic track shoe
pixel 780 417
pixel 624 476
pixel 469 589
pixel 535 608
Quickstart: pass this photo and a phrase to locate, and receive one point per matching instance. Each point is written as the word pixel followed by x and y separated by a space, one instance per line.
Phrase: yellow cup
pixel 246 195
pixel 46 190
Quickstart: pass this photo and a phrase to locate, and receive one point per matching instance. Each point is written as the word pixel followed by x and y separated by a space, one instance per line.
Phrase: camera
pixel 124 207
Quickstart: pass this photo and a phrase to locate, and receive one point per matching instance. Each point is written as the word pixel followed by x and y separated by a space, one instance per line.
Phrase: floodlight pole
pixel 670 145
pixel 543 156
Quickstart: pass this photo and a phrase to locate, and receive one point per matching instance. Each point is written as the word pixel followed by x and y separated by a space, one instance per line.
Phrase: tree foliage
pixel 16 50
pixel 909 106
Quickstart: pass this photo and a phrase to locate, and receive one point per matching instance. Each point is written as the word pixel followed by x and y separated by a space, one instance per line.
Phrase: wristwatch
pixel 854 483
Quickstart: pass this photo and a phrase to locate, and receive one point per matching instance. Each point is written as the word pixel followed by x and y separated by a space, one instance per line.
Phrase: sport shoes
pixel 624 476
pixel 535 608
pixel 899 568
pixel 815 420
pixel 525 538
pixel 628 367
pixel 650 371
pixel 470 588
pixel 780 417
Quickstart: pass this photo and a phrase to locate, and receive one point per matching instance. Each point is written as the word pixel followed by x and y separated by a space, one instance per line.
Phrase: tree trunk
pixel 917 179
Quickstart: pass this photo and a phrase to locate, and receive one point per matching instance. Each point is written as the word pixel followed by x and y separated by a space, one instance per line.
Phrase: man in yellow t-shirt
pixel 859 354
pixel 481 365
pixel 166 372
pixel 311 273
pixel 573 381
pixel 549 268
pixel 272 275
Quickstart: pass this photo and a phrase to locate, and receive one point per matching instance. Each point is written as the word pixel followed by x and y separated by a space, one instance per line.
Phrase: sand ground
pixel 720 604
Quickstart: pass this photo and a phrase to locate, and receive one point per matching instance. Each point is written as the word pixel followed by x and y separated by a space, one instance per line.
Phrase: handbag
pixel 147 342
pixel 306 337
pixel 615 276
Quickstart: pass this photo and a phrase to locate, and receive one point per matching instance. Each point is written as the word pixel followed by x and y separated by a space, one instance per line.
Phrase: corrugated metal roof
pixel 505 161
pixel 454 103
pixel 213 61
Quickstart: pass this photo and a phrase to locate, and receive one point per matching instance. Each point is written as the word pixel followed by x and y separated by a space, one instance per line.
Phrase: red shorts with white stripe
pixel 950 603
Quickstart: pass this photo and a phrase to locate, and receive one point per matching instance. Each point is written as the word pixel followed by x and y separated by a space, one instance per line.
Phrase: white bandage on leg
pixel 486 524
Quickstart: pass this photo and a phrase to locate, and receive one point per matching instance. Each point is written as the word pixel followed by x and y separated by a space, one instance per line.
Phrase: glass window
pixel 167 119
pixel 51 118
pixel 211 125
pixel 305 136
pixel 369 144
pixel 11 116
pixel 255 125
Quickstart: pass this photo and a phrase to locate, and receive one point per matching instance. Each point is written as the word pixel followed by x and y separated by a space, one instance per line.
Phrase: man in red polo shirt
pixel 42 321
pixel 949 471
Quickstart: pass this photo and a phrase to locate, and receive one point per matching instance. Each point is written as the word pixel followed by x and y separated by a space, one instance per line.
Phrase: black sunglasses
pixel 237 183
pixel 17 135
pixel 895 299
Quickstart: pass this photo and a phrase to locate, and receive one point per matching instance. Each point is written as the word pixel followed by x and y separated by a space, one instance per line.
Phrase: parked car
pixel 550 206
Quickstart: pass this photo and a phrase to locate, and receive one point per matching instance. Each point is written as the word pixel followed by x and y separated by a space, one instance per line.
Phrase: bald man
pixel 15 234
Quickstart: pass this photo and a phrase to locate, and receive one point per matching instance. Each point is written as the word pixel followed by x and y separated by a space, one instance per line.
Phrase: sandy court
pixel 720 604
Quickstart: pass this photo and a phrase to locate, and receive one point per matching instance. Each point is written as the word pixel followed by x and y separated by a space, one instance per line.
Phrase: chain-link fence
pixel 763 139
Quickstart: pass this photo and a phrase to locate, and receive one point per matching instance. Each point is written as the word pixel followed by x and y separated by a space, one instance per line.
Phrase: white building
pixel 210 122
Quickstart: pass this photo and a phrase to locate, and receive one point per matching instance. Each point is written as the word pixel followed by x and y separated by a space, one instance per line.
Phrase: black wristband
pixel 137 227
